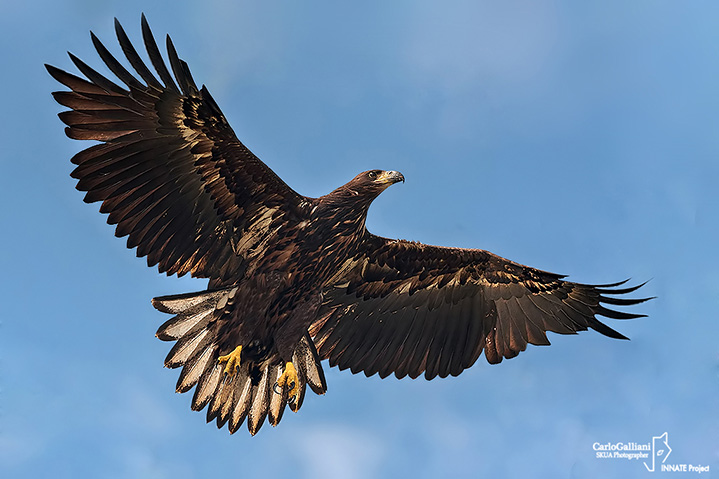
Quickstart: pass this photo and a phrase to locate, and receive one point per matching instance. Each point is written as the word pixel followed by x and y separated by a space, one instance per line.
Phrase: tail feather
pixel 277 401
pixel 242 406
pixel 309 368
pixel 260 403
pixel 193 310
pixel 221 403
pixel 206 386
pixel 193 370
pixel 186 347
pixel 230 399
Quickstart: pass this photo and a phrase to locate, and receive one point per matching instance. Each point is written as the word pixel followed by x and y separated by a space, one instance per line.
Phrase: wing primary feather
pixel 605 330
pixel 608 290
pixel 74 82
pixel 133 57
pixel 107 118
pixel 610 313
pixel 90 103
pixel 115 67
pixel 610 285
pixel 554 317
pixel 156 57
pixel 96 77
pixel 179 68
pixel 622 301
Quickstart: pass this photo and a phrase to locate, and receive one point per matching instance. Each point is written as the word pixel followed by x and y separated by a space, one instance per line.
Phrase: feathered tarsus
pixel 292 279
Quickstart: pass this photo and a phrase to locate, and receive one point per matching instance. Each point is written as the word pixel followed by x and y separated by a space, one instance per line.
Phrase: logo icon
pixel 660 450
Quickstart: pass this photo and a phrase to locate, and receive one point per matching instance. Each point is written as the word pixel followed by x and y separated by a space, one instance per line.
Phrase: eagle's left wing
pixel 408 308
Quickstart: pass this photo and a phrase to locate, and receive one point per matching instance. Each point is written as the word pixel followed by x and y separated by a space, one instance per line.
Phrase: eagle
pixel 293 280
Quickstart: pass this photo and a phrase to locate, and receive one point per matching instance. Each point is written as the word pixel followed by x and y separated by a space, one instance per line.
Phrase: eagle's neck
pixel 350 198
pixel 345 209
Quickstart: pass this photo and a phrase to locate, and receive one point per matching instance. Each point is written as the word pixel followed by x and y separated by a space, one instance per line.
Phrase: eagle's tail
pixel 249 392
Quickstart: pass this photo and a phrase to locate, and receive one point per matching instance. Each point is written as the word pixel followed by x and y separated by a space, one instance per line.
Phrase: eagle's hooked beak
pixel 390 177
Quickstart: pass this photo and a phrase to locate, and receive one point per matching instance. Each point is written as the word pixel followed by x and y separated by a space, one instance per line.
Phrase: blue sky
pixel 576 137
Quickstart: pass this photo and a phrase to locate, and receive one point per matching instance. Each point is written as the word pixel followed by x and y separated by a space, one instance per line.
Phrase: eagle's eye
pixel 372 175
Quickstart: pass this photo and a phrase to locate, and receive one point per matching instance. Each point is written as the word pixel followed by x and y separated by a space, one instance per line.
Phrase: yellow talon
pixel 289 379
pixel 232 360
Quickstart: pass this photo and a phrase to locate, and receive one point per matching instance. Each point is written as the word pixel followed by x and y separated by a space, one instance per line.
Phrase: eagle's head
pixel 362 189
pixel 375 181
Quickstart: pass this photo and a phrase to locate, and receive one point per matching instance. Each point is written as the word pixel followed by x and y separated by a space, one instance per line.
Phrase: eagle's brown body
pixel 292 280
pixel 281 293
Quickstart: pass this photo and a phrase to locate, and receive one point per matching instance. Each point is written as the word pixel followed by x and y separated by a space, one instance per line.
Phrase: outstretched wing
pixel 169 170
pixel 408 308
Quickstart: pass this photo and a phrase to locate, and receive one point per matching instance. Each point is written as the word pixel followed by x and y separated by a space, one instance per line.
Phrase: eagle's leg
pixel 289 379
pixel 232 360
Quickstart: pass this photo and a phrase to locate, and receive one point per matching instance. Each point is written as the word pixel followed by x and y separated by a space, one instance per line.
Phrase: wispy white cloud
pixel 339 452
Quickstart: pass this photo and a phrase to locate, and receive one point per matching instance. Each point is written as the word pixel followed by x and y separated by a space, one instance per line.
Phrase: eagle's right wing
pixel 169 170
